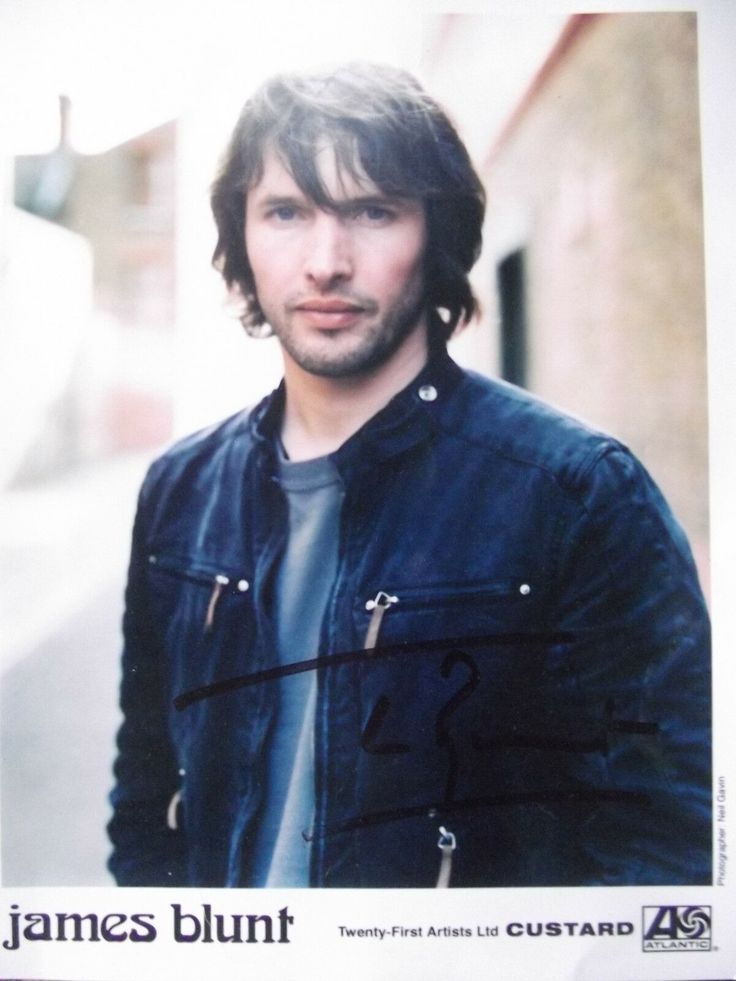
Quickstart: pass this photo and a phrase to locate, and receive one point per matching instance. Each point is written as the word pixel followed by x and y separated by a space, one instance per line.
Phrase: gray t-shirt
pixel 314 493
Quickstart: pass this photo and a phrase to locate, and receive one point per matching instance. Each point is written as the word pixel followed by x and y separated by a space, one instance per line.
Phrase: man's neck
pixel 322 413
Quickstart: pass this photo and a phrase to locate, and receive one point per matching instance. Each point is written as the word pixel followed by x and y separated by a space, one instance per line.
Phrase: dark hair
pixel 379 119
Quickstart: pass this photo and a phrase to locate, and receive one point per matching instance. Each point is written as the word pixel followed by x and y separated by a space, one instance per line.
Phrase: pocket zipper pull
pixel 378 606
pixel 447 845
pixel 172 821
pixel 172 815
pixel 218 585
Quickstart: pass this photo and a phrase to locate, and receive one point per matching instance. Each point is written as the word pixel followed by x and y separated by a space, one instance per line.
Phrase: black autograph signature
pixel 457 657
pixel 403 649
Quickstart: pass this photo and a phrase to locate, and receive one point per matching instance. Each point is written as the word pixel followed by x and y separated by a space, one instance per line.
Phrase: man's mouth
pixel 329 313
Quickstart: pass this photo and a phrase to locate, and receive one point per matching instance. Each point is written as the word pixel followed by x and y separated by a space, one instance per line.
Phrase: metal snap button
pixel 427 393
pixel 243 585
pixel 525 589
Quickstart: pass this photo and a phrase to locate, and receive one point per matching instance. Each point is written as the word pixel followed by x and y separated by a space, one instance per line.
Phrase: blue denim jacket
pixel 516 649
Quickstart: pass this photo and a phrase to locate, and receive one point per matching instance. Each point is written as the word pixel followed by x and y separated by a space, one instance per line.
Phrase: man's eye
pixel 374 214
pixel 284 212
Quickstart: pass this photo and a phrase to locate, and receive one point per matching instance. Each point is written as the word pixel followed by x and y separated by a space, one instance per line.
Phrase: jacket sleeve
pixel 640 651
pixel 146 852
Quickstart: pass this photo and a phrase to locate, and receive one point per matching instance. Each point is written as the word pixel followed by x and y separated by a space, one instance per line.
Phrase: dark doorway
pixel 513 318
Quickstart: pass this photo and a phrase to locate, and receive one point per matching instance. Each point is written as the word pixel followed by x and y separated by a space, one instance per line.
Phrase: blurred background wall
pixel 593 271
pixel 115 336
pixel 114 212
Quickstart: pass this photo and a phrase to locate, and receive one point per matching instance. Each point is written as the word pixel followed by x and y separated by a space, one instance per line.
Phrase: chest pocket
pixel 446 612
pixel 204 615
pixel 441 652
pixel 467 695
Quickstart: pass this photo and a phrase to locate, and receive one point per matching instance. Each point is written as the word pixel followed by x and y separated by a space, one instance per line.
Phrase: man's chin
pixel 343 366
pixel 337 358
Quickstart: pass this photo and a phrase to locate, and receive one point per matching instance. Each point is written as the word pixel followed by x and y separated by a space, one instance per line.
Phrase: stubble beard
pixel 377 345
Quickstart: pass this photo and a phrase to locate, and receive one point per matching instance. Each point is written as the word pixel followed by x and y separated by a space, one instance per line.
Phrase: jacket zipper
pixel 381 602
pixel 172 811
pixel 219 582
pixel 377 607
pixel 447 845
pixel 450 596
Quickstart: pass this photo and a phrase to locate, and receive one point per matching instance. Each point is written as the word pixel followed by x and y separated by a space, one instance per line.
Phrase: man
pixel 398 605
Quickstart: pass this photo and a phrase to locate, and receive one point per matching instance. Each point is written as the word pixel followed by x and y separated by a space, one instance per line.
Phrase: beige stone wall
pixel 598 179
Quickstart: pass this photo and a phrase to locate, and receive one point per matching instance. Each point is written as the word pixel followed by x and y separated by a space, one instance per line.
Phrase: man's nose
pixel 328 257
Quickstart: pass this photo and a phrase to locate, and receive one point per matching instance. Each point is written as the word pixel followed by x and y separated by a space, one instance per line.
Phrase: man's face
pixel 342 289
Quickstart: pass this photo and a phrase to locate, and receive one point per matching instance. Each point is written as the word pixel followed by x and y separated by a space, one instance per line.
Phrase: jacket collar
pixel 407 420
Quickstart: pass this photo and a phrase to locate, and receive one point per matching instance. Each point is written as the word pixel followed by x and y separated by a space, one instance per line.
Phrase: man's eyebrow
pixel 379 199
pixel 281 200
pixel 346 205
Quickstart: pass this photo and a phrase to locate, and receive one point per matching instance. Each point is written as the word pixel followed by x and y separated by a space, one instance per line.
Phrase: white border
pixel 315 948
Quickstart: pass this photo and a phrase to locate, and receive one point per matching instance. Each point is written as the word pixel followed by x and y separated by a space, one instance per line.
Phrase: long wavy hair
pixel 380 122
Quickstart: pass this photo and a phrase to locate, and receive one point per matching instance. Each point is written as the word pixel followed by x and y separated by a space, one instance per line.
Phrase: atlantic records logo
pixel 671 928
